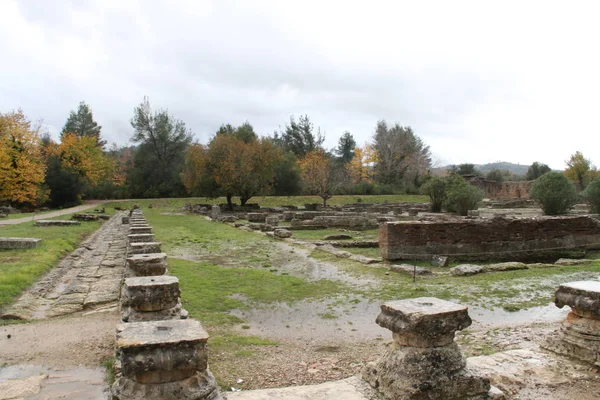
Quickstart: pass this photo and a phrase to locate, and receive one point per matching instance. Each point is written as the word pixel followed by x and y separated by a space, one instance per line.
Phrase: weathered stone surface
pixel 256 217
pixel 19 388
pixel 518 239
pixel 152 293
pixel 228 218
pixel 423 362
pixel 466 269
pixel 579 336
pixel 339 236
pixel 19 243
pixel 569 261
pixel 140 238
pixel 125 220
pixel 56 222
pixel 145 248
pixel 410 270
pixel 505 266
pixel 200 386
pixel 424 321
pixel 583 297
pixel 282 233
pixel 84 217
pixel 148 264
pixel 439 261
pixel 161 351
pixel 215 211
pixel 140 230
pixel 272 220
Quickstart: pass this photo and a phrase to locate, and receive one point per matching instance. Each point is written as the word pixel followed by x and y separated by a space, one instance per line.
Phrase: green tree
pixel 402 159
pixel 580 170
pixel 555 193
pixel 592 195
pixel 288 181
pixel 464 169
pixel 536 170
pixel 81 123
pixel 159 158
pixel 345 148
pixel 435 188
pixel 461 196
pixel 300 137
pixel 495 175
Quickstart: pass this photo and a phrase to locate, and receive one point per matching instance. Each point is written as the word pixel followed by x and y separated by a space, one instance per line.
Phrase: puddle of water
pixel 71 384
pixel 497 317
pixel 356 321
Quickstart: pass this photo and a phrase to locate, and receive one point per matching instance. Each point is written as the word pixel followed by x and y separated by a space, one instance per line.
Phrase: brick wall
pixel 532 238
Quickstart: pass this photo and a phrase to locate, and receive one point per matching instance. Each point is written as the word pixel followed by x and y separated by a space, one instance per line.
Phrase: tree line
pixel 164 160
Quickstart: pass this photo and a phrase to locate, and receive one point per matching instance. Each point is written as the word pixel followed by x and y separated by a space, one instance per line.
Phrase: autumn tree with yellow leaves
pixel 319 175
pixel 22 166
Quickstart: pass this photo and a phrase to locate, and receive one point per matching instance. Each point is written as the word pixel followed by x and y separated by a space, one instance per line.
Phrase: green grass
pixel 109 364
pixel 209 291
pixel 20 268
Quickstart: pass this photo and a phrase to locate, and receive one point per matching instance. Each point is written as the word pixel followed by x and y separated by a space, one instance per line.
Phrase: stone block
pixel 282 233
pixel 256 217
pixel 140 237
pixel 410 270
pixel 466 269
pixel 145 247
pixel 84 217
pixel 125 220
pixel 148 264
pixel 56 222
pixel 19 243
pixel 139 230
pixel 424 321
pixel 161 351
pixel 272 220
pixel 152 293
pixel 439 261
pixel 583 297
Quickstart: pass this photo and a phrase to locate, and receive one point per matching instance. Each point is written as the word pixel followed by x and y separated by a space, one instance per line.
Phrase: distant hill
pixel 516 169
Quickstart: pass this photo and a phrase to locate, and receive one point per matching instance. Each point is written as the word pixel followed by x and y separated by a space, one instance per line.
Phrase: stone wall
pixel 516 239
pixel 505 190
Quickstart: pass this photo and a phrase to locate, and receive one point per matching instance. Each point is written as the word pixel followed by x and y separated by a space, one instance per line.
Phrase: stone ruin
pixel 579 335
pixel 56 222
pixel 160 354
pixel 9 243
pixel 527 239
pixel 423 361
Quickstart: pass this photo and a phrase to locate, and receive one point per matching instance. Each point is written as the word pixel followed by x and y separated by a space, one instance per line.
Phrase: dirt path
pixel 89 204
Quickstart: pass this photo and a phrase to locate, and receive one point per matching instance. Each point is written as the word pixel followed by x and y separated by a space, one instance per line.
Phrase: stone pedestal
pixel 125 220
pixel 215 212
pixel 164 360
pixel 144 248
pixel 579 335
pixel 152 298
pixel 423 362
pixel 141 238
pixel 147 264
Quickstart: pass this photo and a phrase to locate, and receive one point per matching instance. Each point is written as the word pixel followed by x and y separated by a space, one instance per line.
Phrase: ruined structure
pixel 424 362
pixel 502 190
pixel 160 354
pixel 56 222
pixel 579 335
pixel 19 243
pixel 472 239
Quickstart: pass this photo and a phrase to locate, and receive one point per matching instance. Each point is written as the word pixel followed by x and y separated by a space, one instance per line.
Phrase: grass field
pixel 20 268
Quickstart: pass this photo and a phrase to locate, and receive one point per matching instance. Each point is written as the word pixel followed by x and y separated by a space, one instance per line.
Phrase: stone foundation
pixel 152 298
pixel 423 362
pixel 147 264
pixel 141 238
pixel 163 360
pixel 144 248
pixel 532 239
pixel 56 222
pixel 8 243
pixel 140 230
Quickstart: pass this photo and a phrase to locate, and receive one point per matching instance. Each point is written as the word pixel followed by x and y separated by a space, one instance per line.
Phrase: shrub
pixel 435 188
pixel 555 193
pixel 592 195
pixel 461 196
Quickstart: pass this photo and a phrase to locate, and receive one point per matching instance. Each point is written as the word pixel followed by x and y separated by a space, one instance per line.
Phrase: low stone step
pixel 141 238
pixel 19 243
pixel 56 222
pixel 145 247
pixel 147 264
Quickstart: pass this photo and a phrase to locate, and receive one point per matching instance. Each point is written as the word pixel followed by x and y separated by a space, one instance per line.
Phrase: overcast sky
pixel 478 81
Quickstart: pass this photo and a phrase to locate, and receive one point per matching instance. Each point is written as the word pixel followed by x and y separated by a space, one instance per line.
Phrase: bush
pixel 555 193
pixel 435 188
pixel 461 196
pixel 592 195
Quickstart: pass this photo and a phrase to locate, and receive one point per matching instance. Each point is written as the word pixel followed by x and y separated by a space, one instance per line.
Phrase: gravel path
pixel 86 206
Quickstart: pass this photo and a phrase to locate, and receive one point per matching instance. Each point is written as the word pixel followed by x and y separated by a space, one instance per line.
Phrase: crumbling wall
pixel 505 190
pixel 516 239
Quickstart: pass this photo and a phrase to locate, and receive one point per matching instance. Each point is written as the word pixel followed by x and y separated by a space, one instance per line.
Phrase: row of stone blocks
pixel 160 354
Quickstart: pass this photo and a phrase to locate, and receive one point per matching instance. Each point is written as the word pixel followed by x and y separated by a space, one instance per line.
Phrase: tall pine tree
pixel 82 124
